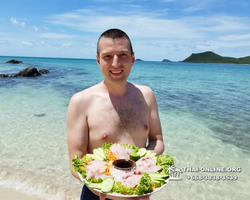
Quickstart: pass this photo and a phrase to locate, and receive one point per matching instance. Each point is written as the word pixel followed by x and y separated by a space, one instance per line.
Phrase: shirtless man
pixel 114 110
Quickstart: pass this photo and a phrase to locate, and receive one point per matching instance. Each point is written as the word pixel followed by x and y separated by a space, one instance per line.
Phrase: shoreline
pixel 11 194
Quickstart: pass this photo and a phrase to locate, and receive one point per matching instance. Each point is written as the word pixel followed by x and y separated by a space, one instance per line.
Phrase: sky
pixel 158 29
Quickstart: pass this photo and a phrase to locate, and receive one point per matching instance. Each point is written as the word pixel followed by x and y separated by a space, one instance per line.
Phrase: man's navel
pixel 104 136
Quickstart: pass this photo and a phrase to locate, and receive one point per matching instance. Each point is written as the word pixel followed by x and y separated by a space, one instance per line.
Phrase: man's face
pixel 115 59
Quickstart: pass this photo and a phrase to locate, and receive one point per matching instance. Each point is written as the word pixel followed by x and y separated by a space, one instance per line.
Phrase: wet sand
pixel 12 194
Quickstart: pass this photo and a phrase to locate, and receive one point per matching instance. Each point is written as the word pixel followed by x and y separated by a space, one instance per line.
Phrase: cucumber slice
pixel 95 185
pixel 159 176
pixel 99 152
pixel 94 156
pixel 107 185
pixel 158 179
pixel 142 152
pixel 148 153
pixel 134 156
pixel 153 154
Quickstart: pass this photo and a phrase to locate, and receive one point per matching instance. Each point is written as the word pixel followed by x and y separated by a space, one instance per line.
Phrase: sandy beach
pixel 12 194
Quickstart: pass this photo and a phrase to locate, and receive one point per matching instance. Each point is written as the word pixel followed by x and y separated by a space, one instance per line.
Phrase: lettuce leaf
pixel 165 161
pixel 94 180
pixel 144 185
pixel 132 147
pixel 122 189
pixel 79 165
pixel 106 146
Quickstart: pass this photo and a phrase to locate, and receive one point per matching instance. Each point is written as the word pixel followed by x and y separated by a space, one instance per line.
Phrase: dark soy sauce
pixel 124 164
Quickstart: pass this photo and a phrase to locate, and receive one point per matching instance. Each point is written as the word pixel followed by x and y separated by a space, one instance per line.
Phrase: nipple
pixel 104 136
pixel 146 127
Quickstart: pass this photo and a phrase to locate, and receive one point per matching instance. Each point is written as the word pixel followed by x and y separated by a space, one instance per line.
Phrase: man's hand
pixel 103 197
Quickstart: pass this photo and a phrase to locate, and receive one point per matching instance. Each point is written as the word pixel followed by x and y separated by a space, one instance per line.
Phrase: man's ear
pixel 133 57
pixel 98 60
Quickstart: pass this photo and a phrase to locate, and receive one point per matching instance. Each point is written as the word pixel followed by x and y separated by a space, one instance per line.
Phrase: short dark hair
pixel 114 33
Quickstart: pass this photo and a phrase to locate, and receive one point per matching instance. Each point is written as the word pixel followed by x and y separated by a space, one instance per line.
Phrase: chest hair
pixel 129 114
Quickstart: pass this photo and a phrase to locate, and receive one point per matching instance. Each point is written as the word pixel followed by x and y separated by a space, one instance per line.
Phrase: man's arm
pixel 77 129
pixel 155 139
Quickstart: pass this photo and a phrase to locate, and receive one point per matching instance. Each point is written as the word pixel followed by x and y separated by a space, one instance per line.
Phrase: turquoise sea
pixel 204 111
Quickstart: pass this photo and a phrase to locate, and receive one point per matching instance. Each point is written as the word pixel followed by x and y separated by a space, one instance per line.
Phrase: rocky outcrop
pixel 7 75
pixel 14 61
pixel 44 71
pixel 27 72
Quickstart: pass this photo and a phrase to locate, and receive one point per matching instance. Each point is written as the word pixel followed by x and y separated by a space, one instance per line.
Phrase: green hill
pixel 211 57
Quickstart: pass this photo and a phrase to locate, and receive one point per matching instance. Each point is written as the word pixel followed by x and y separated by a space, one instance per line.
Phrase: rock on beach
pixel 27 72
pixel 44 71
pixel 14 61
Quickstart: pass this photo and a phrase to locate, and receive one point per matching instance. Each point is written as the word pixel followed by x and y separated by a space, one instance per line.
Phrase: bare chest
pixel 120 120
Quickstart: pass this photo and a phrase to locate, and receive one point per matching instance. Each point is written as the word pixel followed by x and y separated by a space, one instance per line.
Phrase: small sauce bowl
pixel 124 164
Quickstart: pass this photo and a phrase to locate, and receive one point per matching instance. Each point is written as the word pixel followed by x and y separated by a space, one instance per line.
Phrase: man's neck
pixel 117 89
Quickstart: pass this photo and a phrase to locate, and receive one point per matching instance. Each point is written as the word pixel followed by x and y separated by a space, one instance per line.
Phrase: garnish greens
pixel 144 186
pixel 165 161
pixel 147 183
pixel 122 189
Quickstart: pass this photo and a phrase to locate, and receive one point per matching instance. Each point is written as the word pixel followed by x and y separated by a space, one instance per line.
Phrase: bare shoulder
pixel 145 90
pixel 148 95
pixel 85 97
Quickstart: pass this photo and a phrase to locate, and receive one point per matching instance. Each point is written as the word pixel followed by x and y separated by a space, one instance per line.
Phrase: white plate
pixel 124 196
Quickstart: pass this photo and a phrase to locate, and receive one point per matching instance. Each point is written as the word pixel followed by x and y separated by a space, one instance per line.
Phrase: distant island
pixel 211 57
pixel 166 60
pixel 138 59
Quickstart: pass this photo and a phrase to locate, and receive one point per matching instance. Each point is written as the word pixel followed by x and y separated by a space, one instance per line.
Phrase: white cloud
pixel 183 47
pixel 151 25
pixel 14 21
pixel 155 34
pixel 240 3
pixel 54 36
pixel 140 25
pixel 153 44
pixel 22 24
pixel 104 1
pixel 217 45
pixel 208 45
pixel 204 4
pixel 25 43
pixel 42 43
pixel 234 37
pixel 66 45
pixel 166 35
pixel 191 9
pixel 237 45
pixel 217 23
